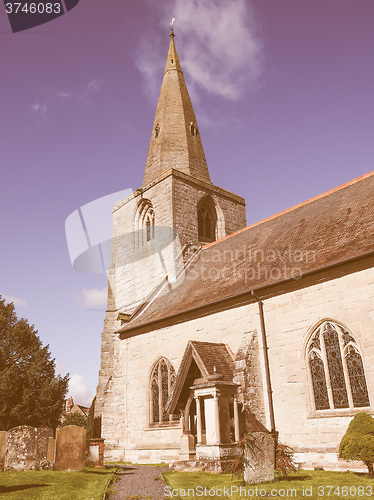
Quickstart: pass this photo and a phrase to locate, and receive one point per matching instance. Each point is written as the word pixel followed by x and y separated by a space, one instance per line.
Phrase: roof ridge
pixel 294 207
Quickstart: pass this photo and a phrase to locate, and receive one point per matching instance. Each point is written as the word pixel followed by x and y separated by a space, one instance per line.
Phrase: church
pixel 213 328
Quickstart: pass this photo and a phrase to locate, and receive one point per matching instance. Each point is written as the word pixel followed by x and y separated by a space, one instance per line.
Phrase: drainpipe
pixel 266 359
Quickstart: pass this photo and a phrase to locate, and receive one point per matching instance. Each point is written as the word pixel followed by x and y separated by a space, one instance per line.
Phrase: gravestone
pixel 3 440
pixel 260 458
pixel 27 448
pixel 70 448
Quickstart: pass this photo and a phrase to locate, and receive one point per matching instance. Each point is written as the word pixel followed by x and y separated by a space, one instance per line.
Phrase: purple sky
pixel 283 91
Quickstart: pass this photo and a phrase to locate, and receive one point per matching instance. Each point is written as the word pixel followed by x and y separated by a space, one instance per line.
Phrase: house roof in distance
pixel 329 229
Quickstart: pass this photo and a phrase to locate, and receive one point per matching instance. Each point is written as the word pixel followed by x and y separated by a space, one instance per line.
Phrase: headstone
pixel 27 448
pixel 3 440
pixel 51 450
pixel 70 448
pixel 260 458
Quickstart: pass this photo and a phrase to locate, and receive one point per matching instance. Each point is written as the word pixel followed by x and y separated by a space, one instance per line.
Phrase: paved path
pixel 139 482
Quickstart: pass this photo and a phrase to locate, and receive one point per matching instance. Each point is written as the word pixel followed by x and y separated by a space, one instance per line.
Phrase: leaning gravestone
pixel 70 448
pixel 260 458
pixel 27 448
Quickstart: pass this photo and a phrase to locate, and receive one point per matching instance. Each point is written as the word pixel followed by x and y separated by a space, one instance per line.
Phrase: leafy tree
pixel 30 391
pixel 358 441
pixel 75 418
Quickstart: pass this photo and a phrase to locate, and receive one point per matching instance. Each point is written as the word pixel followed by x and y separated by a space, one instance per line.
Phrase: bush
pixel 75 418
pixel 358 441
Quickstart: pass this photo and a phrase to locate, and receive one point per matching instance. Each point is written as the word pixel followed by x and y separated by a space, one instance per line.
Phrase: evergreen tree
pixel 358 441
pixel 30 391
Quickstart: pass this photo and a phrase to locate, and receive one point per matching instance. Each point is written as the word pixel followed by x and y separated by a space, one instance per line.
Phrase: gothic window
pixel 336 368
pixel 206 221
pixel 145 223
pixel 161 384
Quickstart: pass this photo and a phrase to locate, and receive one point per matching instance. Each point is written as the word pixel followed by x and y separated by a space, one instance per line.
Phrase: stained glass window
pixel 357 377
pixel 162 379
pixel 319 382
pixel 336 368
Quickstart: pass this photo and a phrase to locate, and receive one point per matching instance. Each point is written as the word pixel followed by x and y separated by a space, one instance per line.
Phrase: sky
pixel 283 92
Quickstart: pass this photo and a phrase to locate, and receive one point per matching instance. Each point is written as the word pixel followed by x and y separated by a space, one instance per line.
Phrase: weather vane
pixel 171 26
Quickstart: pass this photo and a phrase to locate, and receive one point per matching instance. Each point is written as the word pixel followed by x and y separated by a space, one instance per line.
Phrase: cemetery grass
pixel 46 485
pixel 305 484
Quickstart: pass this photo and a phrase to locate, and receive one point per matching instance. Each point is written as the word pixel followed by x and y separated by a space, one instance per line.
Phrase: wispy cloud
pixel 219 46
pixel 92 298
pixel 39 109
pixel 17 301
pixel 82 95
pixel 79 390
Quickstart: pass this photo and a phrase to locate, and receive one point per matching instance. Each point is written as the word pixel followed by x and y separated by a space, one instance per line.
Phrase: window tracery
pixel 161 384
pixel 336 368
pixel 146 223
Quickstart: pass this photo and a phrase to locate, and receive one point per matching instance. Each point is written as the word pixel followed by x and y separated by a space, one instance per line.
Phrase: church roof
pixel 175 141
pixel 330 229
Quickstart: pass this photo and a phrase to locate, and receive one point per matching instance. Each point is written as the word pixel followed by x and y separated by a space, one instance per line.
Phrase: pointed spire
pixel 175 141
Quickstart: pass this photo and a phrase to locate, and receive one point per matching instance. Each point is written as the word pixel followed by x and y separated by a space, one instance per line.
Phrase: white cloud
pixel 218 43
pixel 79 391
pixel 17 301
pixel 81 95
pixel 93 298
pixel 95 85
pixel 40 109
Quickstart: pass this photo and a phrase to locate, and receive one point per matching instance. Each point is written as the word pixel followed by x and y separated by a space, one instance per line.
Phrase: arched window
pixel 161 383
pixel 145 223
pixel 336 368
pixel 206 221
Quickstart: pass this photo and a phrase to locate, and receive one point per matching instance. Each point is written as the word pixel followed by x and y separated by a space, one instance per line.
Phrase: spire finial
pixel 171 28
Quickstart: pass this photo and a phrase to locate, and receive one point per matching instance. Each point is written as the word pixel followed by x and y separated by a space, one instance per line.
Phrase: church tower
pixel 158 227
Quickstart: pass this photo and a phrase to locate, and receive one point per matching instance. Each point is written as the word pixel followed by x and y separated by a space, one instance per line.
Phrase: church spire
pixel 175 141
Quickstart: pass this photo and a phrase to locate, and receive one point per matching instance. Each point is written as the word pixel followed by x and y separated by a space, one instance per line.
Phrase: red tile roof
pixel 326 230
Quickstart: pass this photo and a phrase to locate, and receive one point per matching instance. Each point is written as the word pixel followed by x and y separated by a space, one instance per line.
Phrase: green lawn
pixel 50 485
pixel 305 485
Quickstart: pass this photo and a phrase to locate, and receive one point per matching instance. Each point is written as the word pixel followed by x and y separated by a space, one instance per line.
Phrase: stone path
pixel 139 482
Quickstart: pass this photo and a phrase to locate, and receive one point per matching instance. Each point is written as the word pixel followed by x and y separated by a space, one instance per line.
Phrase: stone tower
pixel 158 227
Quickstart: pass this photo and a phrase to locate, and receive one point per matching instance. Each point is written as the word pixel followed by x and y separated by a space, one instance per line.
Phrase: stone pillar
pixel 236 419
pixel 198 416
pixel 216 420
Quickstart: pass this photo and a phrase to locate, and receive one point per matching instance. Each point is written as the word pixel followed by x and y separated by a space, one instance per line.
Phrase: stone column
pixel 198 416
pixel 217 423
pixel 236 419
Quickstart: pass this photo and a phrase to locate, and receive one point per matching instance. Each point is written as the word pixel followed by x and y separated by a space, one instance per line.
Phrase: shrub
pixel 358 441
pixel 284 460
pixel 75 418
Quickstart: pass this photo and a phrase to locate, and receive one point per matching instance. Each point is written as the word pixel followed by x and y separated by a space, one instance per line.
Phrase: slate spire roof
pixel 175 140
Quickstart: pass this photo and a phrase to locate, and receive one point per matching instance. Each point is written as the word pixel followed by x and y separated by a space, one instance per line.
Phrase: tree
pixel 75 418
pixel 30 391
pixel 358 441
